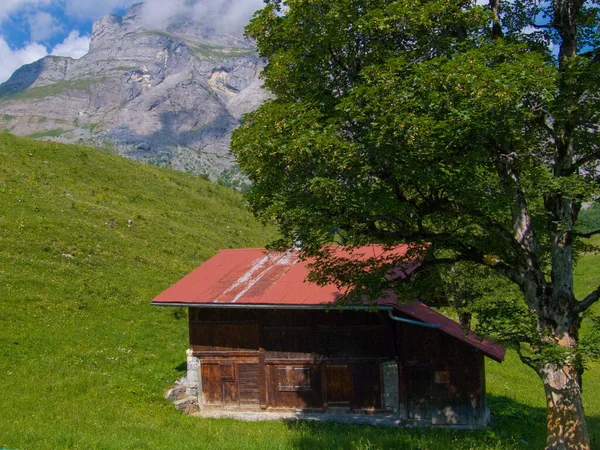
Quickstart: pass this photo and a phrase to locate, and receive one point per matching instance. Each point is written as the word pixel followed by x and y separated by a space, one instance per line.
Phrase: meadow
pixel 87 239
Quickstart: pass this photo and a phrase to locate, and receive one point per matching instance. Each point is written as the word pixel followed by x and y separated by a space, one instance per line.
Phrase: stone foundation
pixel 390 386
pixel 187 392
pixel 193 381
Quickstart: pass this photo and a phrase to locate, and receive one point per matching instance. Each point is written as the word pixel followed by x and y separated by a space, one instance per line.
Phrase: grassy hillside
pixel 87 239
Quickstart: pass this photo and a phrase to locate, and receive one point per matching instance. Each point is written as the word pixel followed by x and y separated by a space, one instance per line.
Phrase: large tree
pixel 468 131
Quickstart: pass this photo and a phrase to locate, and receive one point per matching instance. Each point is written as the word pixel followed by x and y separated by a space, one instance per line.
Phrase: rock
pixel 170 95
pixel 175 393
pixel 105 29
pixel 144 146
pixel 187 405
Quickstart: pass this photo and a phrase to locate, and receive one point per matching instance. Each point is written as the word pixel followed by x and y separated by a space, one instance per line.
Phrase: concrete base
pixel 386 420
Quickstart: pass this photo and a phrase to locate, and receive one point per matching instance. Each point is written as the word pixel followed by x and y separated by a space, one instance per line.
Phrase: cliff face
pixel 169 96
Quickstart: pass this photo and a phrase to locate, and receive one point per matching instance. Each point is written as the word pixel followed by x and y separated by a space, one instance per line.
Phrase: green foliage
pixel 497 304
pixel 589 219
pixel 410 122
pixel 235 179
pixel 418 123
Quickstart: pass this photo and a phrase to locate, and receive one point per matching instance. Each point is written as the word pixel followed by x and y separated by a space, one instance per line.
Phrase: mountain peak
pixel 107 26
pixel 133 11
pixel 169 94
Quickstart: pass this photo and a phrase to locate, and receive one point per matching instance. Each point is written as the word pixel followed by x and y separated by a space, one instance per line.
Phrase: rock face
pixel 169 96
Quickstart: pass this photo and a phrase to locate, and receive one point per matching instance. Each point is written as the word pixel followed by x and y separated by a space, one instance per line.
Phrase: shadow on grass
pixel 306 435
pixel 180 368
pixel 528 422
pixel 514 425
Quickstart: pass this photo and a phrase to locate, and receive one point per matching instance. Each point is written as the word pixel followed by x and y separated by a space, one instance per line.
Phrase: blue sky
pixel 32 29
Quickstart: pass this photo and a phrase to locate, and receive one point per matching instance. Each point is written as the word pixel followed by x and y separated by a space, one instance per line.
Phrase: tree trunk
pixel 464 318
pixel 566 426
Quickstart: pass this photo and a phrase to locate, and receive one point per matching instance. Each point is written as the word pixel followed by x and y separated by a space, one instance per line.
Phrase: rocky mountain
pixel 170 95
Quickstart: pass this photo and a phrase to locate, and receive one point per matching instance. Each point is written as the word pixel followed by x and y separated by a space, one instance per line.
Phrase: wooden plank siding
pixel 318 360
pixel 443 379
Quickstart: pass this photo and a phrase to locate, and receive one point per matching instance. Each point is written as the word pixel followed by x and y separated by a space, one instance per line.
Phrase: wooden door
pixel 418 380
pixel 248 384
pixel 339 385
pixel 229 385
pixel 211 384
pixel 366 380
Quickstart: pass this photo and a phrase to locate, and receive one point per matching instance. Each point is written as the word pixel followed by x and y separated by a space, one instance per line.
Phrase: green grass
pixel 47 133
pixel 159 33
pixel 123 68
pixel 87 239
pixel 90 127
pixel 200 50
pixel 40 92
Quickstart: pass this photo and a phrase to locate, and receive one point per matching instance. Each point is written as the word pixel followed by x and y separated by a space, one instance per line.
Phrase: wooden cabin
pixel 264 339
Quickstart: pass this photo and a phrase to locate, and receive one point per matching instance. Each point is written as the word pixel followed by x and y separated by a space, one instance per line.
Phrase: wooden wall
pixel 442 378
pixel 316 360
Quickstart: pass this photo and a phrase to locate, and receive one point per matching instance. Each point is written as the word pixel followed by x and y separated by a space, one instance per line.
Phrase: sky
pixel 32 29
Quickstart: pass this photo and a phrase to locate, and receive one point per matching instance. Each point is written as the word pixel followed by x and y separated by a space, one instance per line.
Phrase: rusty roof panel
pixel 277 279
pixel 424 313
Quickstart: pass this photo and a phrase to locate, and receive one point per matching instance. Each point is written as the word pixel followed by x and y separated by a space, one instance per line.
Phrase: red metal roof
pixel 424 313
pixel 255 277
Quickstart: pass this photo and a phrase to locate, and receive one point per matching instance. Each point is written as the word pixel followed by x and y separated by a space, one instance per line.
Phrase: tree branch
pixel 508 171
pixel 548 25
pixel 524 359
pixel 413 236
pixel 497 25
pixel 466 250
pixel 587 235
pixel 582 161
pixel 426 264
pixel 592 298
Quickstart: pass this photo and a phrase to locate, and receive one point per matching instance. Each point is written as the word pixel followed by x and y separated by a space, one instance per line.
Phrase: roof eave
pixel 273 306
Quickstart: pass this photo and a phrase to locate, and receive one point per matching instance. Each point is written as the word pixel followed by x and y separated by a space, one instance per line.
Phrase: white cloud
pixel 94 9
pixel 10 6
pixel 221 14
pixel 156 13
pixel 43 25
pixel 74 46
pixel 12 59
pixel 80 9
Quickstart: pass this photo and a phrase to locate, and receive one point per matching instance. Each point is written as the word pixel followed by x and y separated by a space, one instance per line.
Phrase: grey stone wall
pixel 390 386
pixel 193 387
